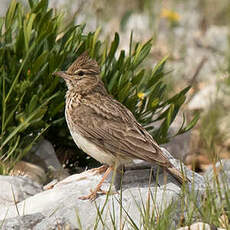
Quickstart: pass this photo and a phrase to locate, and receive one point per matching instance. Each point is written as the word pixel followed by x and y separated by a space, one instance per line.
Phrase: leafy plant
pixel 29 54
pixel 33 44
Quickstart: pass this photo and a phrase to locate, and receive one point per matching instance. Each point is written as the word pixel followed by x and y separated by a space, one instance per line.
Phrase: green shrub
pixel 33 44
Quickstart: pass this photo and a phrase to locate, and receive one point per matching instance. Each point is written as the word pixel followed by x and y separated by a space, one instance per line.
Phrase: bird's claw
pixel 93 194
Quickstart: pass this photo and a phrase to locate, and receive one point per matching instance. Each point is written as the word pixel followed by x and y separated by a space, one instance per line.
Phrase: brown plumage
pixel 101 126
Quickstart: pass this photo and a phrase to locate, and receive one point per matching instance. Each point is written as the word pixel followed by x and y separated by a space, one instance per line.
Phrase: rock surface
pixel 209 95
pixel 43 154
pixel 60 205
pixel 179 146
pixel 221 171
pixel 15 189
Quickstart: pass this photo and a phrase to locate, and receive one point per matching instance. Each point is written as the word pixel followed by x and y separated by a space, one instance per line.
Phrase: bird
pixel 103 127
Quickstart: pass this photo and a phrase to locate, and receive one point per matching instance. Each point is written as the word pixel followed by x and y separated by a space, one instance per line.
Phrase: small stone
pixel 29 170
pixel 199 226
pixel 224 220
pixel 45 156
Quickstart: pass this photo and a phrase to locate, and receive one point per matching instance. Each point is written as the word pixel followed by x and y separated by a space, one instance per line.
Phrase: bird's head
pixel 82 74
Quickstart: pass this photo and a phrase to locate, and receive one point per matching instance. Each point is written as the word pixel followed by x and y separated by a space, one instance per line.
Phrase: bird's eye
pixel 80 73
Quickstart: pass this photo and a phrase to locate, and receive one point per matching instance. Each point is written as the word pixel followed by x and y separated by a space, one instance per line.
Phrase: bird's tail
pixel 178 175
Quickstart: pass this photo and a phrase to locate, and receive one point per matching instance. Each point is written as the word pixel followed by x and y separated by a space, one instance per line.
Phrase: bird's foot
pixel 93 194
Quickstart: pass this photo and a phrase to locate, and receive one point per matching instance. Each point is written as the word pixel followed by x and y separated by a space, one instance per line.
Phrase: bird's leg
pixel 100 169
pixel 93 194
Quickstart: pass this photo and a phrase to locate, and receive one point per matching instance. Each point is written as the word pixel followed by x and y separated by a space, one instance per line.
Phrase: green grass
pixel 189 207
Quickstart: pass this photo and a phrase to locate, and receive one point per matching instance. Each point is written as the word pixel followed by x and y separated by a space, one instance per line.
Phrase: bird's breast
pixel 92 150
pixel 83 143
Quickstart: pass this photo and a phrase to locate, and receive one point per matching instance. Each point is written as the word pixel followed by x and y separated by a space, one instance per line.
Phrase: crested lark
pixel 104 128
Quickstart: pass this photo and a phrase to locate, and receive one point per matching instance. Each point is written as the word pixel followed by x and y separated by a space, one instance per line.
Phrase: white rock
pixel 204 98
pixel 60 204
pixel 216 37
pixel 223 169
pixel 199 226
pixel 3 6
pixel 210 94
pixel 14 189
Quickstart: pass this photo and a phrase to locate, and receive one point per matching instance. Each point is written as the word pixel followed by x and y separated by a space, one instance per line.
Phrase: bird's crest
pixel 84 62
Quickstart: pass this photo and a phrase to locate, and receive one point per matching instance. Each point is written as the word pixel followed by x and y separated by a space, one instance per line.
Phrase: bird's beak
pixel 61 74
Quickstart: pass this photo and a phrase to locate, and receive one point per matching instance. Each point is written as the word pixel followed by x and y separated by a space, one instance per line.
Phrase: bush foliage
pixel 34 44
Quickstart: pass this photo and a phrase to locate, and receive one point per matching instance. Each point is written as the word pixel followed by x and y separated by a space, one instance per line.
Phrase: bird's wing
pixel 111 126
